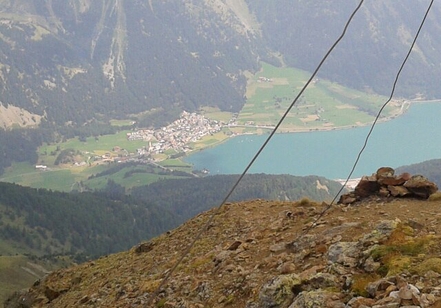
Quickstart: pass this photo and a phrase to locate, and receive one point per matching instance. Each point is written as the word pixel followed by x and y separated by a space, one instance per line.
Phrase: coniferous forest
pixel 92 224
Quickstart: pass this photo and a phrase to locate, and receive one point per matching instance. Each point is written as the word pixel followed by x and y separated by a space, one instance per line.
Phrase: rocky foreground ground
pixel 377 251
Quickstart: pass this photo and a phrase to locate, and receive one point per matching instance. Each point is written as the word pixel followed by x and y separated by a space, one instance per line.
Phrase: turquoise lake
pixel 411 138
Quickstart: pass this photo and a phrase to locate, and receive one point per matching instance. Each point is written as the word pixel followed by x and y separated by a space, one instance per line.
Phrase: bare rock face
pixel 420 186
pixel 398 191
pixel 367 186
pixel 348 198
pixel 277 292
pixel 385 172
pixel 384 183
pixel 144 247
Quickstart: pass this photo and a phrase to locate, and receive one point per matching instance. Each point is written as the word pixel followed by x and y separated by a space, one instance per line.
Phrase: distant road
pixel 251 126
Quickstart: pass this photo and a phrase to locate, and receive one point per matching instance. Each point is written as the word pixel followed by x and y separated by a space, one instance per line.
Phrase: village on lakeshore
pixel 190 128
pixel 177 136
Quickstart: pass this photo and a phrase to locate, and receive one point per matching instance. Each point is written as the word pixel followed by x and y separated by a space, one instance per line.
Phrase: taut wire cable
pixel 374 123
pixel 204 228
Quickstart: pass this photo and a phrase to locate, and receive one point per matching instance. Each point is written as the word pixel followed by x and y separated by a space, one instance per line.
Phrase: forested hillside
pixel 375 44
pixel 189 197
pixel 431 169
pixel 47 225
pixel 44 222
pixel 76 61
pixel 18 146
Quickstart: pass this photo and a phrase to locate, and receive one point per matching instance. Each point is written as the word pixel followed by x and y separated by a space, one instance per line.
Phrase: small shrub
pixel 383 270
pixel 304 202
pixel 382 251
pixel 398 264
pixel 413 248
pixel 432 264
pixel 360 283
pixel 399 235
pixel 397 253
pixel 435 196
pixel 161 303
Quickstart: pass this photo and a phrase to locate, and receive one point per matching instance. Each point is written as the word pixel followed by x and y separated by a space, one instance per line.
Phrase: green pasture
pixel 56 179
pixel 98 145
pixel 19 272
pixel 62 179
pixel 129 179
pixel 323 104
pixel 121 122
pixel 12 276
pixel 67 179
pixel 18 168
pixel 215 114
pixel 175 164
pixel 210 140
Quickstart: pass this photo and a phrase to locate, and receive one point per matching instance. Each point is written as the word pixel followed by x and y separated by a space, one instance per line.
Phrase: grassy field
pixel 121 122
pixel 324 105
pixel 13 277
pixel 97 146
pixel 211 140
pixel 62 179
pixel 133 176
pixel 216 114
pixel 19 272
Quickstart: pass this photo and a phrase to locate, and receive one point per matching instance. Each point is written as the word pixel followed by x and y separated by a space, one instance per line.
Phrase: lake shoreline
pixel 404 108
pixel 323 153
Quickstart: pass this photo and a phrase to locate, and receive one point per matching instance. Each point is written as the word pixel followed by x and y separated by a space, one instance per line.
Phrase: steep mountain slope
pixel 41 224
pixel 259 254
pixel 71 62
pixel 189 197
pixel 374 249
pixel 374 47
pixel 430 169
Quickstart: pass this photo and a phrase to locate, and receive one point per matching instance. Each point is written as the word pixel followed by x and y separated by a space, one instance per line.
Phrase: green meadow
pixel 18 271
pixel 13 277
pixel 323 105
pixel 99 145
pixel 133 176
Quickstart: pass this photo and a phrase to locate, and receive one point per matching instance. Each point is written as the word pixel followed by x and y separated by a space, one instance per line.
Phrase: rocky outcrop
pixel 278 291
pixel 263 254
pixel 385 184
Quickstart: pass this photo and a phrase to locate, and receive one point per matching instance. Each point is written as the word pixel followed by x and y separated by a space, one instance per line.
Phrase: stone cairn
pixel 385 184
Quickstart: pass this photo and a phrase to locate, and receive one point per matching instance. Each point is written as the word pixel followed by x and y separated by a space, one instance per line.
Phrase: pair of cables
pixel 307 230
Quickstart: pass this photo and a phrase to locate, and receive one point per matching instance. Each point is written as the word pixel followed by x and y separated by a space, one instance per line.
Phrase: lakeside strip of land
pixel 404 106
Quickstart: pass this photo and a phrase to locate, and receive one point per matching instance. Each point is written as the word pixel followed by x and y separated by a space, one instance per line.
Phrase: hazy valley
pixel 102 101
